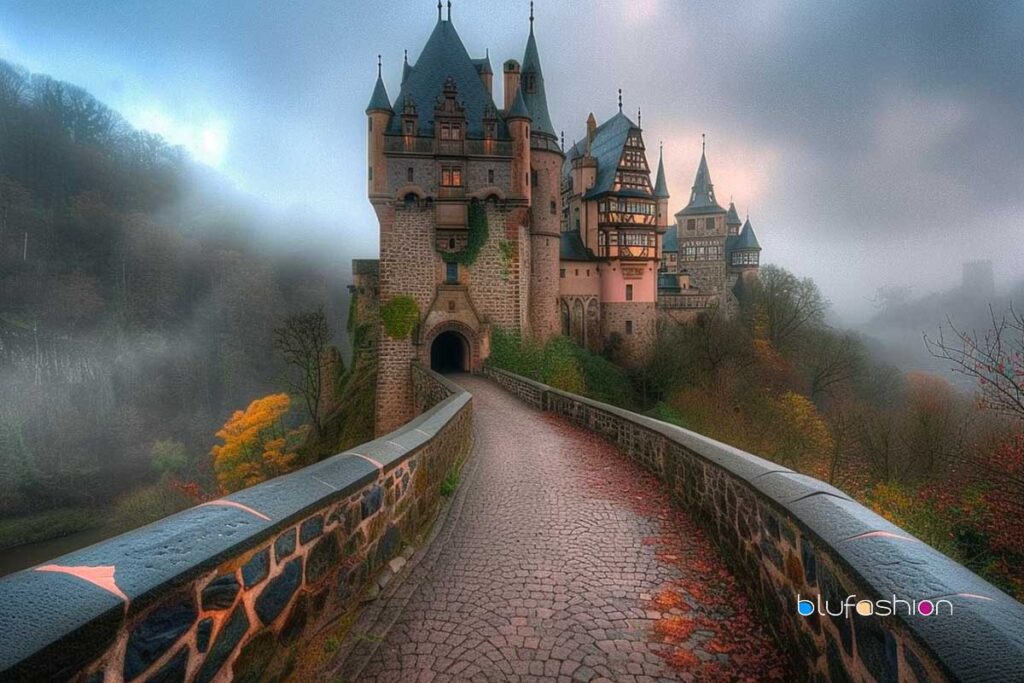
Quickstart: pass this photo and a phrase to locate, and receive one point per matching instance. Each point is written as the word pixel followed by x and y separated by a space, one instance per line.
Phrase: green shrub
pixel 400 316
pixel 148 504
pixel 168 456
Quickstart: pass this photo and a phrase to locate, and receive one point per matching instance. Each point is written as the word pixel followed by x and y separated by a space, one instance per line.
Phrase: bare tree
pixel 832 359
pixel 995 359
pixel 304 340
pixel 786 306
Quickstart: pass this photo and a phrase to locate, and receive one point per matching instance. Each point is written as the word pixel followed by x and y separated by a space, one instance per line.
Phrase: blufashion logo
pixel 867 608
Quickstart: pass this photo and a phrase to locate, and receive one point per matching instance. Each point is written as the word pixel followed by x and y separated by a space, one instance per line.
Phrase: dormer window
pixel 451 131
pixel 491 130
pixel 530 83
pixel 409 128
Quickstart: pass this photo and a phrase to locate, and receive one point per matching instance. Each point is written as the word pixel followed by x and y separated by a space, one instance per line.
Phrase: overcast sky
pixel 872 143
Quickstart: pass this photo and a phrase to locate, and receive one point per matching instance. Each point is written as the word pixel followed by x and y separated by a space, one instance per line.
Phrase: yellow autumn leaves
pixel 256 445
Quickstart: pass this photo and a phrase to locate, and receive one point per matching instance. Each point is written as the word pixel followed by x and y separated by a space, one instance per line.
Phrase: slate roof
pixel 670 240
pixel 571 248
pixel 702 198
pixel 746 239
pixel 444 55
pixel 668 282
pixel 519 109
pixel 606 147
pixel 661 186
pixel 732 218
pixel 483 65
pixel 379 99
pixel 537 101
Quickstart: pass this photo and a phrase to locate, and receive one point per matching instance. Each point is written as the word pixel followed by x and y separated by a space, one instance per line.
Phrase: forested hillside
pixel 137 306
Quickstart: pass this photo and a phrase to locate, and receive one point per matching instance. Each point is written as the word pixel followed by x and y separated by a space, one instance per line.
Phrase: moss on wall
pixel 400 316
pixel 478 233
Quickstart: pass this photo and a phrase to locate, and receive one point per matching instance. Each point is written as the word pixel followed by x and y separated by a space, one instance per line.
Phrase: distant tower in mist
pixel 978 280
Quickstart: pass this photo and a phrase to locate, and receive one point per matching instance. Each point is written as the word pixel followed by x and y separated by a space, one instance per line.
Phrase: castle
pixel 486 220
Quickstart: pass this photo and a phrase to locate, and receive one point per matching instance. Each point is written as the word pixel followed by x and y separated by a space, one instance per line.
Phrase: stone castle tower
pixel 467 198
pixel 485 223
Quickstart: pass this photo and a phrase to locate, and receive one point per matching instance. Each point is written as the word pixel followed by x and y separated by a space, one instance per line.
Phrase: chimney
pixel 511 82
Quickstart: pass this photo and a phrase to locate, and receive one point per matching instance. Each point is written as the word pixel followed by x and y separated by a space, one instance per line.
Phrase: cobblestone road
pixel 560 560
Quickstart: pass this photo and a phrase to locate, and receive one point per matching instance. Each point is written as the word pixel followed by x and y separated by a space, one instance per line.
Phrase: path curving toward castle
pixel 561 560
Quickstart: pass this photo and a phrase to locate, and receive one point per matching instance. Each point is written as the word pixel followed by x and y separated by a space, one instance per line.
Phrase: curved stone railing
pixel 788 534
pixel 222 589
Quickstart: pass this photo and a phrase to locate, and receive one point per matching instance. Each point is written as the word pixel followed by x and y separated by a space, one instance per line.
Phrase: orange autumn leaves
pixel 256 445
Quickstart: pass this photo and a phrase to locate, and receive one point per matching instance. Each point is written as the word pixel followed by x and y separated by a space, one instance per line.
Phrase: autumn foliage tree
pixel 256 444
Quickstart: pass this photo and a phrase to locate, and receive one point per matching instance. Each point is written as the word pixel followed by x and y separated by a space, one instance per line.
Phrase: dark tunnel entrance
pixel 449 353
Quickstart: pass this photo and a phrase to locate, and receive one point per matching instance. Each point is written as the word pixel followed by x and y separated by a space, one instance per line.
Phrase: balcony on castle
pixel 412 144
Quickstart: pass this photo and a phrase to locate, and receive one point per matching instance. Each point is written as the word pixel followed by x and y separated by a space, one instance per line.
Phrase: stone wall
pixel 636 347
pixel 787 534
pixel 221 591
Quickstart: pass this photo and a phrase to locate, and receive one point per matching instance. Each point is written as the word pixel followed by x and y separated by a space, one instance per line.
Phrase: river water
pixel 30 554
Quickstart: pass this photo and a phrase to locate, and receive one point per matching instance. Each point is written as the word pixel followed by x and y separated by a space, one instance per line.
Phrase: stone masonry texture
pixel 223 591
pixel 564 564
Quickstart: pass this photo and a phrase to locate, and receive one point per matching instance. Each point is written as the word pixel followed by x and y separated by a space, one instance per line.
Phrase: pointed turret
pixel 747 239
pixel 519 109
pixel 379 100
pixel 702 197
pixel 660 185
pixel 732 220
pixel 532 85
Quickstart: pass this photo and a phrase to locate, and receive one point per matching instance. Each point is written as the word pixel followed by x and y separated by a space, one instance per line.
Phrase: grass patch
pixel 43 526
pixel 450 483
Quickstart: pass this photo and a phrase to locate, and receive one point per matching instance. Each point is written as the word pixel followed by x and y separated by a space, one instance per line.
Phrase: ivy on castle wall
pixel 400 315
pixel 478 232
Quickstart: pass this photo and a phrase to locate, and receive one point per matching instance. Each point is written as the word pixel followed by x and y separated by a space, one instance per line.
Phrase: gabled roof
pixel 571 248
pixel 702 198
pixel 379 99
pixel 746 239
pixel 732 218
pixel 606 148
pixel 660 186
pixel 445 56
pixel 536 101
pixel 518 110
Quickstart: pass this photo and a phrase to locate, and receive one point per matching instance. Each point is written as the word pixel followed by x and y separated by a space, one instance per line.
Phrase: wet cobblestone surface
pixel 561 560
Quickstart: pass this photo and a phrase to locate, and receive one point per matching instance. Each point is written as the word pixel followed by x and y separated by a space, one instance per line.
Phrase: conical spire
pixel 519 109
pixel 379 100
pixel 532 83
pixel 702 198
pixel 660 186
pixel 732 217
pixel 747 238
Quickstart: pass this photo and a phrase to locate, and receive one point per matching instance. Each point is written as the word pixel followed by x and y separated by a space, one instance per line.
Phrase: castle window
pixel 409 128
pixel 409 174
pixel 490 130
pixel 629 292
pixel 554 207
pixel 709 224
pixel 576 212
pixel 629 327
pixel 533 178
pixel 451 131
pixel 370 173
pixel 561 272
pixel 371 125
pixel 451 176
pixel 451 273
pixel 451 242
pixel 490 176
pixel 530 83
pixel 577 272
pixel 588 272
pixel 691 223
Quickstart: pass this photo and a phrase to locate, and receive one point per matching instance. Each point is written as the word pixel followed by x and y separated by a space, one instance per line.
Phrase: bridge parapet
pixel 216 590
pixel 788 534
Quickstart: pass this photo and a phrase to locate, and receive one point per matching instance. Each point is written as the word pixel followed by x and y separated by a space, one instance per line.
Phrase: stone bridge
pixel 584 542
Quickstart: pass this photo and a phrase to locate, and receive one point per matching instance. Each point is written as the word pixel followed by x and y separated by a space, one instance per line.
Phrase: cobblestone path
pixel 560 560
